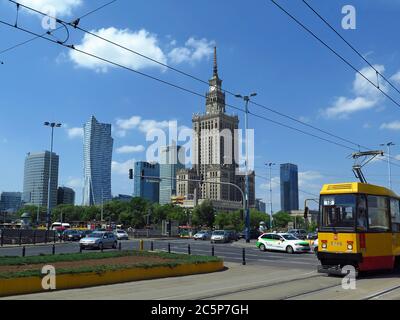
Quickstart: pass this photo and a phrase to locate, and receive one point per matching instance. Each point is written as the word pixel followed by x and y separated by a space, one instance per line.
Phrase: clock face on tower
pixel 213 88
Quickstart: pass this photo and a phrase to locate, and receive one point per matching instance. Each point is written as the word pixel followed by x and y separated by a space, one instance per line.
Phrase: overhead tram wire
pixel 171 84
pixel 61 27
pixel 335 52
pixel 350 45
pixel 205 82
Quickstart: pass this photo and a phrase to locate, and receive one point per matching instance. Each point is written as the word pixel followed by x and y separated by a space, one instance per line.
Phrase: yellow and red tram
pixel 358 225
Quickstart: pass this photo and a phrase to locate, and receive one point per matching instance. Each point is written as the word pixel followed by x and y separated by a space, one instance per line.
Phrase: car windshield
pixel 219 233
pixel 338 211
pixel 289 237
pixel 120 231
pixel 96 235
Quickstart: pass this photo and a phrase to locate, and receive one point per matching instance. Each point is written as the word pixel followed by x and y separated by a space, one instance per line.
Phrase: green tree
pixel 256 217
pixel 223 219
pixel 204 214
pixel 281 219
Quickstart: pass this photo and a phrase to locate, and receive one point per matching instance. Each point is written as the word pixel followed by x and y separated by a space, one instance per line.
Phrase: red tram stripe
pixel 377 263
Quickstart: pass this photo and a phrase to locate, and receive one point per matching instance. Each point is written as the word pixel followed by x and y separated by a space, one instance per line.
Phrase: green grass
pixel 178 259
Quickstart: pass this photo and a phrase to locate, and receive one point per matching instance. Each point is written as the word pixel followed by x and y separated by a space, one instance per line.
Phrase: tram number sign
pixel 329 202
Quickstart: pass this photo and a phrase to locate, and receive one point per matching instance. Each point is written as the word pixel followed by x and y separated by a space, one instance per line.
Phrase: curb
pixel 18 286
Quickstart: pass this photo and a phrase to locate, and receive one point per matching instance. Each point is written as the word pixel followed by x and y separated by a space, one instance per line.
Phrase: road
pixel 230 252
pixel 266 276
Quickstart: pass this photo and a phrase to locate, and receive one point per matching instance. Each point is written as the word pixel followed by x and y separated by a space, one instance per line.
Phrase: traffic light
pixel 131 174
pixel 306 211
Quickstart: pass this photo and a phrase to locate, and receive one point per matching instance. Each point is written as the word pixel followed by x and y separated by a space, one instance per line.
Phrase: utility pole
pixel 247 183
pixel 388 145
pixel 270 193
pixel 52 126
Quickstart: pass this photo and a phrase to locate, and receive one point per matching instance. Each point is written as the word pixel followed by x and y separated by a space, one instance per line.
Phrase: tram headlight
pixel 349 246
pixel 324 245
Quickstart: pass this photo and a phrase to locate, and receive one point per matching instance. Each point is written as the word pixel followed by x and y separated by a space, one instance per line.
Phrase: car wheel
pixel 262 248
pixel 289 249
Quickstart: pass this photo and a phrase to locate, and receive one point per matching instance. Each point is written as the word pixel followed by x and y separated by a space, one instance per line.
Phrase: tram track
pixel 257 287
pixel 381 293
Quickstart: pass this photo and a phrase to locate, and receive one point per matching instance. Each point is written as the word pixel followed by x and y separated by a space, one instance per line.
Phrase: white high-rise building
pixel 98 148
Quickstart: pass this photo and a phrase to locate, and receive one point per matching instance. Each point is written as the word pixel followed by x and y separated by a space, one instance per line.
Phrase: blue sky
pixel 259 49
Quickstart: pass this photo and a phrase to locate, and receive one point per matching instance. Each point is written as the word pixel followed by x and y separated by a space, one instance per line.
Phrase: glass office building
pixel 98 148
pixel 146 188
pixel 170 164
pixel 289 187
pixel 36 179
pixel 10 201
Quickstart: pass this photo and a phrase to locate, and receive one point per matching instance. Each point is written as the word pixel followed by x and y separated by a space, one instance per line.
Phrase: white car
pixel 282 242
pixel 121 235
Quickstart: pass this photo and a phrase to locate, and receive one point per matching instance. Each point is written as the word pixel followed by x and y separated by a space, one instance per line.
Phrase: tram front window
pixel 338 212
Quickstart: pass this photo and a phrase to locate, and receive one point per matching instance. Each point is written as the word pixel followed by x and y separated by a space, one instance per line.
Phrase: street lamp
pixel 52 125
pixel 247 191
pixel 270 192
pixel 388 145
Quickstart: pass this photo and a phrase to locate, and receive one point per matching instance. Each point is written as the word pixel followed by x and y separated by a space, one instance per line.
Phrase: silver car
pixel 220 236
pixel 99 240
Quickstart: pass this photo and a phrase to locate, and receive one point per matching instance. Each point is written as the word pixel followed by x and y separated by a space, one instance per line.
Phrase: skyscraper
pixel 215 144
pixel 98 148
pixel 36 178
pixel 289 187
pixel 65 196
pixel 169 166
pixel 10 201
pixel 145 188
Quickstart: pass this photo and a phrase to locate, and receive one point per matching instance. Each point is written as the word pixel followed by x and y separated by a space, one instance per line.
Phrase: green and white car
pixel 282 242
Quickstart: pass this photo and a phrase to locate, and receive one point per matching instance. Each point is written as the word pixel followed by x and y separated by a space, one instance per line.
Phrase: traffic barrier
pixel 152 246
pixel 189 250
pixel 244 256
pixel 141 245
pixel 212 251
pixel 169 248
pixel 53 251
pixel 120 246
pixel 23 251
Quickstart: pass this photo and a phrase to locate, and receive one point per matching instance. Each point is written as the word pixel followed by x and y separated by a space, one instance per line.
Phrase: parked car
pixel 202 235
pixel 85 233
pixel 99 240
pixel 282 242
pixel 219 236
pixel 232 235
pixel 254 234
pixel 71 235
pixel 121 235
pixel 312 236
pixel 299 233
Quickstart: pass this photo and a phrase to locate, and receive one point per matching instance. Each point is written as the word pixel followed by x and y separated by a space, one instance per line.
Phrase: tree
pixel 256 217
pixel 32 209
pixel 223 219
pixel 282 219
pixel 204 214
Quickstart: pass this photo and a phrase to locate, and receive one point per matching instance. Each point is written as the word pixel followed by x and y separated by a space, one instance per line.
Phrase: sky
pixel 259 50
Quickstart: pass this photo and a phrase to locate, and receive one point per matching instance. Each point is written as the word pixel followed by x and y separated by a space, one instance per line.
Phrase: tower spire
pixel 215 63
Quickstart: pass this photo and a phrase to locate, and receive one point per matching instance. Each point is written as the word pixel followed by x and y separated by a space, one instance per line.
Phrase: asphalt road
pixel 230 252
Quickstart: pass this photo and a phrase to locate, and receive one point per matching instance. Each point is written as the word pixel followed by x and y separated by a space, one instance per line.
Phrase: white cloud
pixel 194 51
pixel 395 125
pixel 74 183
pixel 57 7
pixel 141 41
pixel 396 77
pixel 143 125
pixel 128 124
pixel 130 149
pixel 366 96
pixel 122 168
pixel 75 133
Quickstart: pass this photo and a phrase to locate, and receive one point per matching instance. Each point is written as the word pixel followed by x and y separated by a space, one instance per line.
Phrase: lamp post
pixel 247 189
pixel 270 192
pixel 52 125
pixel 388 145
